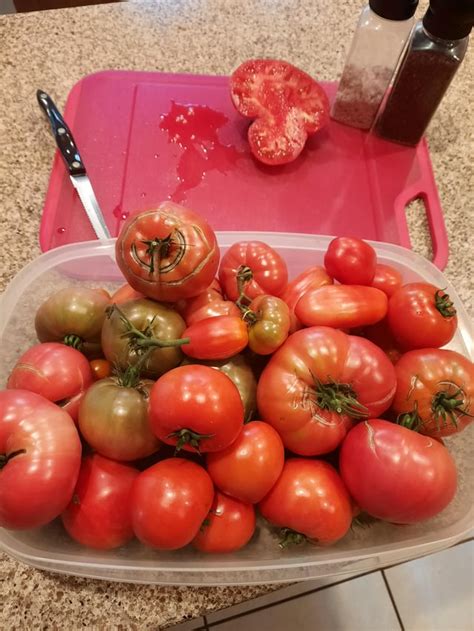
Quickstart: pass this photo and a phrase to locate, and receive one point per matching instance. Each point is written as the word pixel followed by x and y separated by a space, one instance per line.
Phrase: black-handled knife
pixel 74 164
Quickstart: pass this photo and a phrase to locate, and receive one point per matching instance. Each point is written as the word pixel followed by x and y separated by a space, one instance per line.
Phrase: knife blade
pixel 74 164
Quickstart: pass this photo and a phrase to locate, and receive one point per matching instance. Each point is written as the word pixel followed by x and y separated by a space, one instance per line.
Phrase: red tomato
pixel 435 391
pixel 255 267
pixel 269 322
pixel 387 279
pixel 311 278
pixel 342 306
pixel 381 335
pixel 213 310
pixel 186 307
pixel 99 515
pixel 421 316
pixel 40 456
pixel 229 526
pixel 287 103
pixel 124 294
pixel 216 338
pixel 396 474
pixel 351 261
pixel 203 410
pixel 168 253
pixel 101 369
pixel 249 467
pixel 311 501
pixel 170 500
pixel 57 372
pixel 318 382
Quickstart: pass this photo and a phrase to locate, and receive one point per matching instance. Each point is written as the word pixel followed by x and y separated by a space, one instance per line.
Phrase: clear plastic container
pixel 91 264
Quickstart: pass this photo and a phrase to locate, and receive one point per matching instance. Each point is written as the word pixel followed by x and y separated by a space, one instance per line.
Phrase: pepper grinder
pixel 435 52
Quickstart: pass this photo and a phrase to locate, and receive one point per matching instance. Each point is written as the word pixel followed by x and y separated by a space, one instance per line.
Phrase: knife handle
pixel 62 134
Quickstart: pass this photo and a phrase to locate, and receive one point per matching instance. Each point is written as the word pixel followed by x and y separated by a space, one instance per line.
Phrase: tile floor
pixel 435 593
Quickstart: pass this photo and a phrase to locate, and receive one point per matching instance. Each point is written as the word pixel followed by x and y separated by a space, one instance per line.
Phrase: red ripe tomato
pixel 311 278
pixel 124 294
pixel 168 253
pixel 99 515
pixel 318 382
pixel 216 338
pixel 396 474
pixel 351 261
pixel 421 316
pixel 213 310
pixel 57 372
pixel 342 306
pixel 249 467
pixel 309 501
pixel 196 408
pixel 435 391
pixel 40 456
pixel 228 527
pixel 101 369
pixel 387 279
pixel 186 307
pixel 254 268
pixel 170 500
pixel 287 103
pixel 269 322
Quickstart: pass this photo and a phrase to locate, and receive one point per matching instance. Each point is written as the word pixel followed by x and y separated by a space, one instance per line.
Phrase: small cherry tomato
pixel 99 515
pixel 311 278
pixel 251 465
pixel 421 316
pixel 216 338
pixel 101 369
pixel 228 527
pixel 342 306
pixel 254 268
pixel 268 318
pixel 351 261
pixel 387 279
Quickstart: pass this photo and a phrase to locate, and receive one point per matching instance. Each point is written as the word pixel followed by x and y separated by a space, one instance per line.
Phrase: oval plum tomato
pixel 124 294
pixel 74 316
pixel 421 316
pixel 252 268
pixel 268 318
pixel 318 382
pixel 99 514
pixel 101 369
pixel 40 456
pixel 309 501
pixel 241 374
pixel 351 261
pixel 216 338
pixel 168 253
pixel 387 279
pixel 57 372
pixel 287 103
pixel 249 467
pixel 196 408
pixel 396 474
pixel 342 306
pixel 435 391
pixel 312 278
pixel 228 527
pixel 132 328
pixel 113 417
pixel 170 500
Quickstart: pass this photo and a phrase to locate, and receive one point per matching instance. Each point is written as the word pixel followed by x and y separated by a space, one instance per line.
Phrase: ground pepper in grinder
pixel 435 52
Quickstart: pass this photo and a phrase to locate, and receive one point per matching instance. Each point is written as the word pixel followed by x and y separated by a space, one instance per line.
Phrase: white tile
pixel 361 604
pixel 197 624
pixel 436 593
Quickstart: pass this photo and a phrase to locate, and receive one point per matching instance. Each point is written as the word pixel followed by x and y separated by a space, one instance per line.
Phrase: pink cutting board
pixel 146 137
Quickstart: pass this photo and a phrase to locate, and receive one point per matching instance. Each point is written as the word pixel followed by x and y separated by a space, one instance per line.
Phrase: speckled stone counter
pixel 53 50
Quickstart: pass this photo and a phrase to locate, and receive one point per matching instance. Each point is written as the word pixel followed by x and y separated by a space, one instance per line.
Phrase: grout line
pixel 206 627
pixel 392 599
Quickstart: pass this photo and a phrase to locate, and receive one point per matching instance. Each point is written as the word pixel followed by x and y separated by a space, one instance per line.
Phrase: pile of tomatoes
pixel 208 388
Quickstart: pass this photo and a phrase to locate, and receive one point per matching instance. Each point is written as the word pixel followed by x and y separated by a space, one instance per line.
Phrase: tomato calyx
pixel 186 436
pixel 338 397
pixel 289 537
pixel 411 420
pixel 444 304
pixel 447 407
pixel 244 276
pixel 74 341
pixel 5 458
pixel 158 249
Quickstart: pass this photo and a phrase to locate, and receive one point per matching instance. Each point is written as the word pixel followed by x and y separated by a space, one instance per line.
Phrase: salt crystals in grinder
pixel 382 32
pixel 434 54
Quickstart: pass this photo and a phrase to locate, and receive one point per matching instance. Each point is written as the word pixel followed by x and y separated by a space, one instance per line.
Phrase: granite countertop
pixel 54 49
